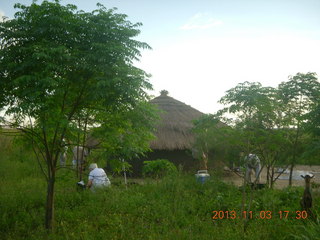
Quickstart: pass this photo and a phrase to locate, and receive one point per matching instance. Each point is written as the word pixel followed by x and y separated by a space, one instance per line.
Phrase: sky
pixel 202 48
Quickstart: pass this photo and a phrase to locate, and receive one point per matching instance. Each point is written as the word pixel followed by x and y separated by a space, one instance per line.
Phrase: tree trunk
pixel 291 173
pixel 83 162
pixel 268 176
pixel 272 177
pixel 49 218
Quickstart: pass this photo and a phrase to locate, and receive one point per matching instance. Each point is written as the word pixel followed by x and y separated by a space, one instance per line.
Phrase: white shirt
pixel 99 178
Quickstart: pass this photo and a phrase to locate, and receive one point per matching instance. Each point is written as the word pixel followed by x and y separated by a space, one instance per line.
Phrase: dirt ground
pixel 232 177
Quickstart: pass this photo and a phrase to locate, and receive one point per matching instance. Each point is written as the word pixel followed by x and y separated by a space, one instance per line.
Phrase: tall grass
pixel 177 207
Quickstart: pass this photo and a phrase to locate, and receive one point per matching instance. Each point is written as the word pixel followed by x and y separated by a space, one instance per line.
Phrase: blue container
pixel 202 176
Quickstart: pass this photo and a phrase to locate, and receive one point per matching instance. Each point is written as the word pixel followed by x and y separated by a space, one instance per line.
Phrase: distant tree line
pixel 281 125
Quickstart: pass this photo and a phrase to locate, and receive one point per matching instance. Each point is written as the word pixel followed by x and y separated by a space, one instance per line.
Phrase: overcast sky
pixel 202 48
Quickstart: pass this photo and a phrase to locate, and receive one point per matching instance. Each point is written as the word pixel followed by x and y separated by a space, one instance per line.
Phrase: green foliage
pixel 176 207
pixel 126 134
pixel 268 121
pixel 255 123
pixel 307 232
pixel 62 69
pixel 311 124
pixel 158 168
pixel 249 102
pixel 300 96
pixel 211 135
pixel 119 166
pixel 59 64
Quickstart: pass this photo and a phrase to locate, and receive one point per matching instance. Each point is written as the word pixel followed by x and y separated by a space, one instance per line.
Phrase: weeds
pixel 175 207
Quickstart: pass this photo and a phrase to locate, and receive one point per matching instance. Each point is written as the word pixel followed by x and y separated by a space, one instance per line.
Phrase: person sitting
pixel 97 177
pixel 252 162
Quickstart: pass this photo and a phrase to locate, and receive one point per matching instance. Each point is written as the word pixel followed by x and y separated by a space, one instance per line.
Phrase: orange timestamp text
pixel 219 214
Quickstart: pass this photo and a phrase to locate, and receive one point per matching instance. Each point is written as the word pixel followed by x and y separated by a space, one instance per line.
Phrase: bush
pixel 158 168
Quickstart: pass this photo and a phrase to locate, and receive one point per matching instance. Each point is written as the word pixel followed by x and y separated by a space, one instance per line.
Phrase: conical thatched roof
pixel 174 129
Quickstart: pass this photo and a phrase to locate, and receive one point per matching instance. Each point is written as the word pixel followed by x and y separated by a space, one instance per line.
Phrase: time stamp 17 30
pixel 216 215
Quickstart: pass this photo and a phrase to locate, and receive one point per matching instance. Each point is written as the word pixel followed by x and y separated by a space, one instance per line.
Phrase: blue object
pixel 202 176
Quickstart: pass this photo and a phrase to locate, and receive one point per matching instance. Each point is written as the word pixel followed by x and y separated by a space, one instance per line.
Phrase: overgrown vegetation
pixel 63 71
pixel 177 207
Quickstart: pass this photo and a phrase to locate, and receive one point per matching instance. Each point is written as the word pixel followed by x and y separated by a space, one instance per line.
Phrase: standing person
pixel 79 156
pixel 252 162
pixel 97 177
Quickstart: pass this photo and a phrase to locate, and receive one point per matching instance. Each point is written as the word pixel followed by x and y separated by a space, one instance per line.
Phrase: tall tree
pixel 299 95
pixel 256 120
pixel 57 62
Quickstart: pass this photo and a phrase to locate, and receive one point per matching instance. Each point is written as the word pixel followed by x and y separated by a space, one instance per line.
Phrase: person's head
pixel 93 166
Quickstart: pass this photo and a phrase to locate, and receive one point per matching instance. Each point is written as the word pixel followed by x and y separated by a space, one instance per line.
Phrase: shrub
pixel 158 168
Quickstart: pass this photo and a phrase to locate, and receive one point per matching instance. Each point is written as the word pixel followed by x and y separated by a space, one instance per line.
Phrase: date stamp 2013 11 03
pixel 282 214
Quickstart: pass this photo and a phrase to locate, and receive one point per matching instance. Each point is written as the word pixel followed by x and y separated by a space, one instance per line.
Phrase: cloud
pixel 1 15
pixel 201 21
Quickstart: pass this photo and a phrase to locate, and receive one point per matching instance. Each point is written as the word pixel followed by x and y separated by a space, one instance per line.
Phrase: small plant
pixel 158 168
pixel 118 167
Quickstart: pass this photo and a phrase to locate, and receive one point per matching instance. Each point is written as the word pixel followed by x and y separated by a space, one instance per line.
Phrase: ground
pixel 231 177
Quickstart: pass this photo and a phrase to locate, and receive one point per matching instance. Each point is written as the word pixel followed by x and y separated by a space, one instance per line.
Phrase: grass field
pixel 172 208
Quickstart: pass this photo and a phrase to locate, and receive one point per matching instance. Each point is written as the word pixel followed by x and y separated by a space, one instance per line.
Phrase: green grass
pixel 176 207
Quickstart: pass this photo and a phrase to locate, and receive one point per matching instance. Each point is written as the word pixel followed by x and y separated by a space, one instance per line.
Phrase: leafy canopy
pixel 53 56
pixel 57 62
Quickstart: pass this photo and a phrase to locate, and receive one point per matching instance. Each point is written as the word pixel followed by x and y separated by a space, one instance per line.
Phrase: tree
pixel 299 95
pixel 257 123
pixel 126 134
pixel 311 125
pixel 57 63
pixel 269 120
pixel 211 137
pixel 253 112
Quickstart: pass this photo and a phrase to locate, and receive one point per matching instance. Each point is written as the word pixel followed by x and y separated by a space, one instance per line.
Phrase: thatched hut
pixel 174 129
pixel 174 137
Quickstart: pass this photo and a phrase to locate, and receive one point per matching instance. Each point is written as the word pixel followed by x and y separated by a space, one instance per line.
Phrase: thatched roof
pixel 174 130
